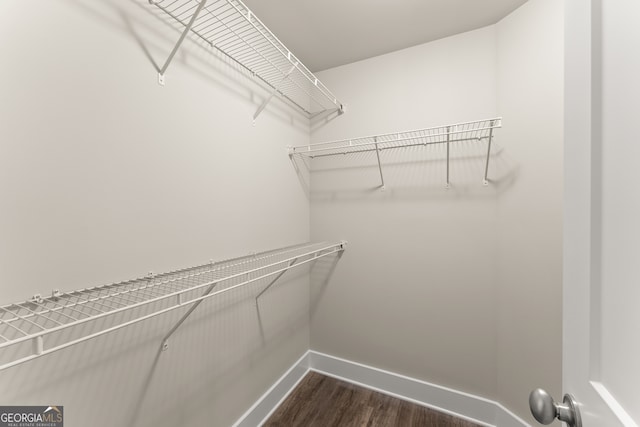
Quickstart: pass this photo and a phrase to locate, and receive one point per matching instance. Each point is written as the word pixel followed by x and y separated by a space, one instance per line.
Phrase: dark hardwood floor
pixel 321 401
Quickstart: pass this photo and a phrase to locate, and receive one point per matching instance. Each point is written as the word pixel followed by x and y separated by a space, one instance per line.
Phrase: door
pixel 601 295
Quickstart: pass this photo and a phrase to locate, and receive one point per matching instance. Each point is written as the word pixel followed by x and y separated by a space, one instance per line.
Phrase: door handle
pixel 545 409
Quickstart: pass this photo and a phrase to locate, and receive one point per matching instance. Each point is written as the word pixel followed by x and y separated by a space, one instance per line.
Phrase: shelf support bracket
pixel 448 145
pixel 273 92
pixel 275 279
pixel 165 340
pixel 486 166
pixel 180 40
pixel 37 345
pixel 375 139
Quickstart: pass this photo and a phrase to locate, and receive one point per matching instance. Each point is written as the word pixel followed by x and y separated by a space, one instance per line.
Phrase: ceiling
pixel 327 33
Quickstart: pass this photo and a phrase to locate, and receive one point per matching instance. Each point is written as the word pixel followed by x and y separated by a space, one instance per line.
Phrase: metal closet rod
pixel 37 338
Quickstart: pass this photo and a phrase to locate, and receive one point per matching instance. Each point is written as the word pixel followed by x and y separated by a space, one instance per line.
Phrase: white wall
pixel 415 291
pixel 530 98
pixel 461 287
pixel 105 175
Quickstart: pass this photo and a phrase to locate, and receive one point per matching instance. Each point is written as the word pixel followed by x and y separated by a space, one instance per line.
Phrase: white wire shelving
pixel 468 131
pixel 230 27
pixel 41 326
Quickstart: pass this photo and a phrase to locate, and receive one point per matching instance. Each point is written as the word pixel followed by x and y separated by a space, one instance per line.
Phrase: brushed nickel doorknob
pixel 544 409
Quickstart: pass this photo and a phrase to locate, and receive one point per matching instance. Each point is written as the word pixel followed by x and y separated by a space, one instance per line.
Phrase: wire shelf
pixel 26 328
pixel 230 27
pixel 468 131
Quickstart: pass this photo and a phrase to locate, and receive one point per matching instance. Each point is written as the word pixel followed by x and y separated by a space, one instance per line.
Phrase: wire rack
pixel 230 27
pixel 468 131
pixel 41 326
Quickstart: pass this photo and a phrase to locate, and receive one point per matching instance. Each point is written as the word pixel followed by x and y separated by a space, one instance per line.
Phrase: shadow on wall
pixel 209 359
pixel 263 318
pixel 155 33
pixel 412 173
pixel 323 118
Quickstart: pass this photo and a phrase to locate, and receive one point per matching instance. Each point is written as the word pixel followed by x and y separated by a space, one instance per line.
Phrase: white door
pixel 601 297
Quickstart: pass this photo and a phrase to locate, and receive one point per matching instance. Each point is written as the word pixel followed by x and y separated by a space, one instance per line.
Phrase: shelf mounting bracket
pixel 273 92
pixel 375 139
pixel 180 40
pixel 165 340
pixel 486 166
pixel 275 279
pixel 448 145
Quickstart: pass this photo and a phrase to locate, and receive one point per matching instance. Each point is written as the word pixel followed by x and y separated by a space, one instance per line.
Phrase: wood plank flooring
pixel 321 401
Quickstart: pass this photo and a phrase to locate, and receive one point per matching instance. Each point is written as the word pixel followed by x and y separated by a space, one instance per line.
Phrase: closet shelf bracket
pixel 186 30
pixel 275 279
pixel 275 90
pixel 165 340
pixel 448 156
pixel 375 139
pixel 486 167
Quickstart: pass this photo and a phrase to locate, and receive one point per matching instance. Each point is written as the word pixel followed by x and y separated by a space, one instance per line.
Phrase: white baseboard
pixel 272 398
pixel 506 418
pixel 463 405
